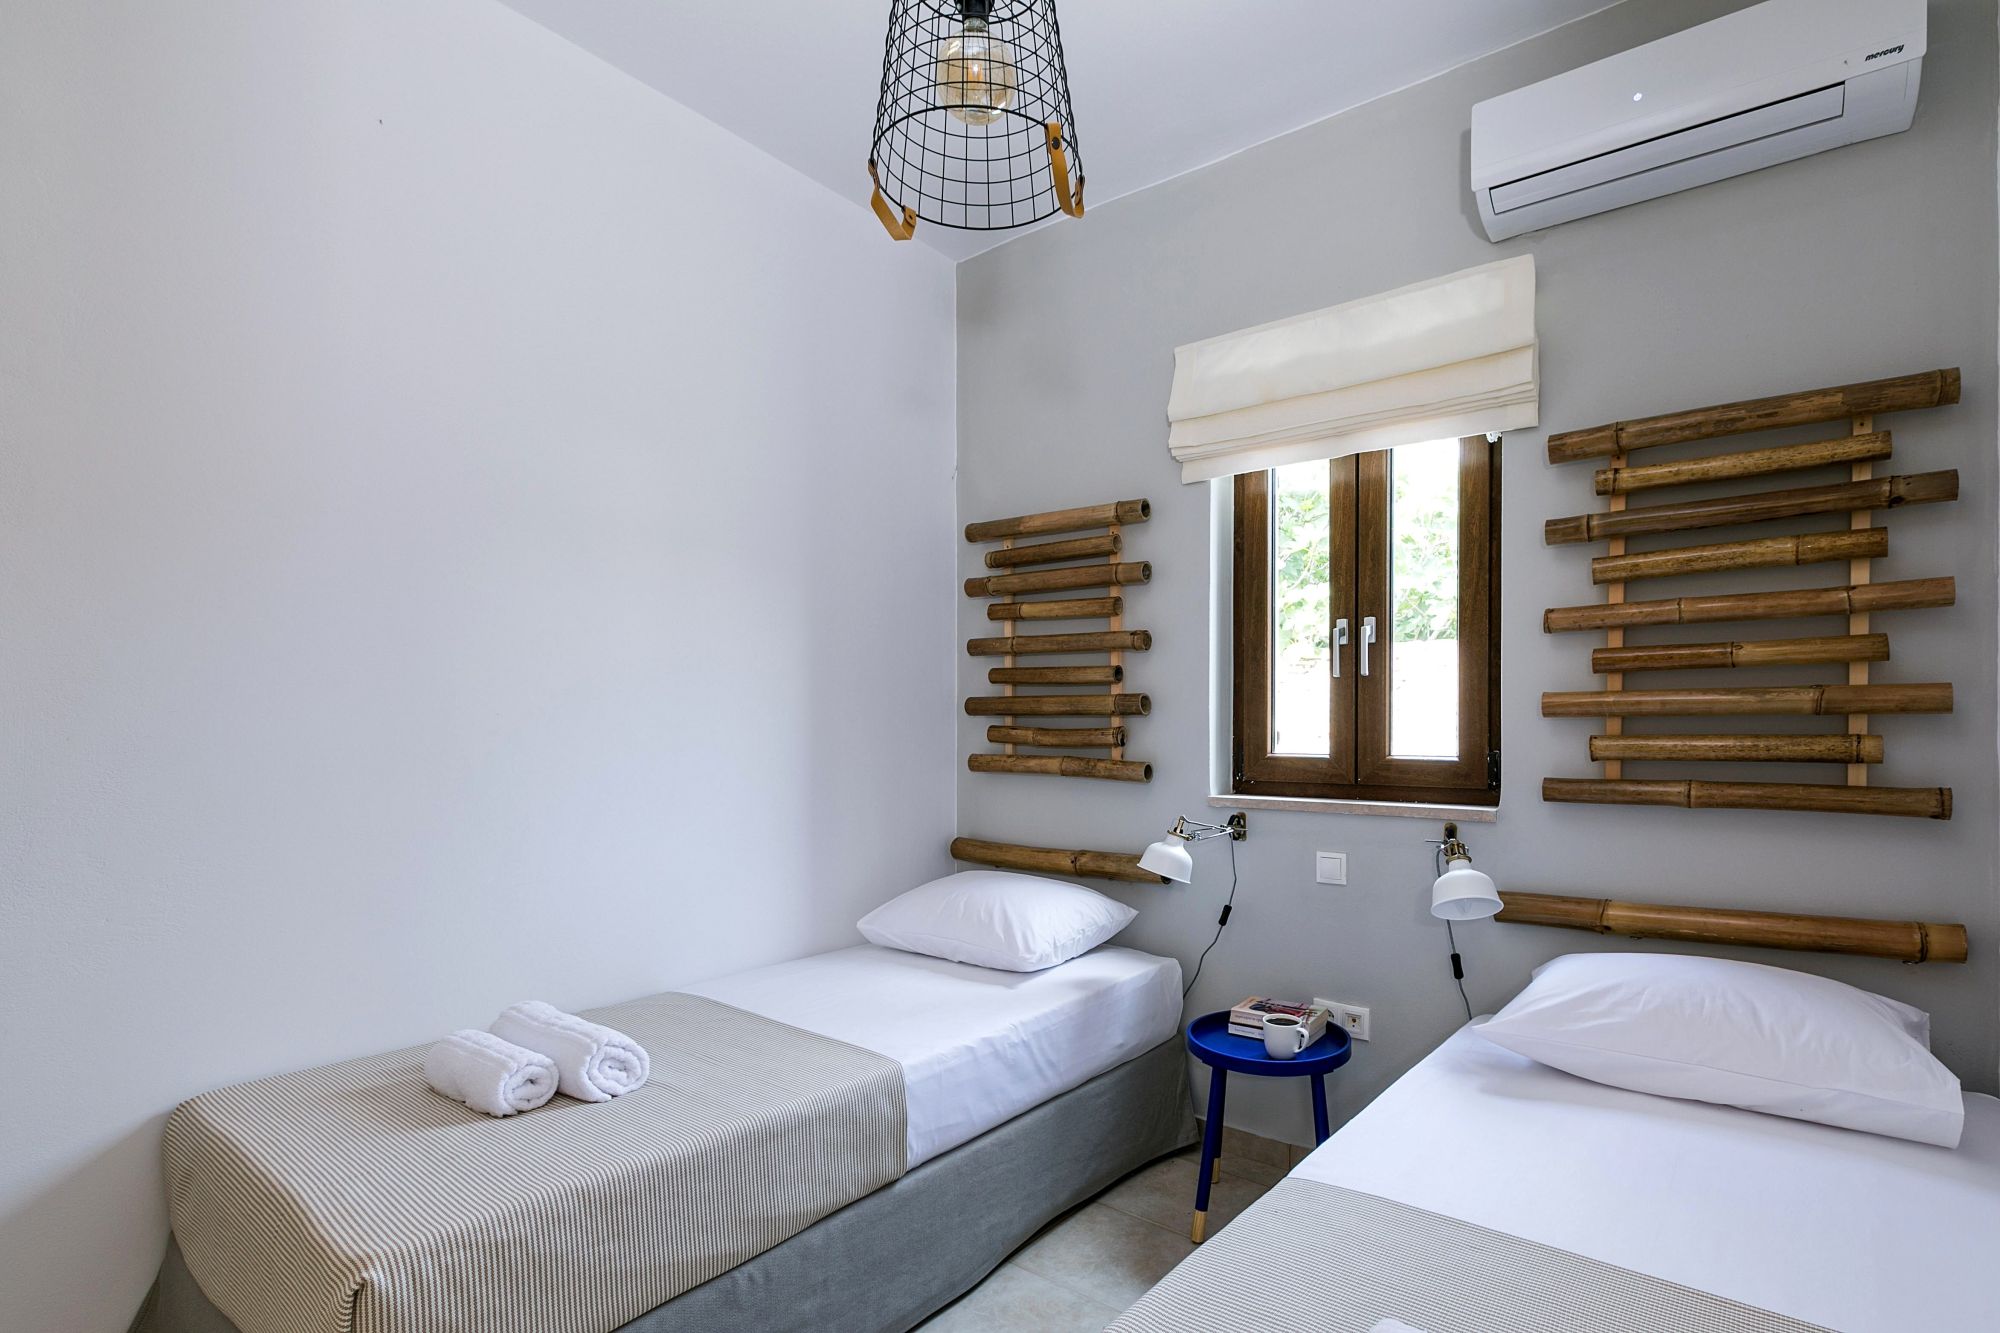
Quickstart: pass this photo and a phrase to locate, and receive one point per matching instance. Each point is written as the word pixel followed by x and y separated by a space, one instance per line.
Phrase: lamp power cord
pixel 1220 921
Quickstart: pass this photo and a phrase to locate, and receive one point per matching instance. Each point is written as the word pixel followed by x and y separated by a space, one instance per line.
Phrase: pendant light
pixel 973 129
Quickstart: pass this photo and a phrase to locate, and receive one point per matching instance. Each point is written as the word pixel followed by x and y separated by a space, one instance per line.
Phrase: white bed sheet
pixel 977 1046
pixel 1854 1231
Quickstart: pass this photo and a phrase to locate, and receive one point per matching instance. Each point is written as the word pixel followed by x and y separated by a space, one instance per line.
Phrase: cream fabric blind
pixel 1449 357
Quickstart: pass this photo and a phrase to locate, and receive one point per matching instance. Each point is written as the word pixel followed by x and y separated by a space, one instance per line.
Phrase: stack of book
pixel 1246 1018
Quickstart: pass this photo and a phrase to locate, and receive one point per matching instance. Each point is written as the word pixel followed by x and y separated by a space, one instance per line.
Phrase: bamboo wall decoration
pixel 1067 579
pixel 1859 542
pixel 1933 388
pixel 1905 941
pixel 1093 560
pixel 1053 860
pixel 1808 548
pixel 1904 594
pixel 1770 652
pixel 1730 510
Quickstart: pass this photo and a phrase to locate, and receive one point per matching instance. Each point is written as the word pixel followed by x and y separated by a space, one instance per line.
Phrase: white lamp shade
pixel 1169 857
pixel 1463 894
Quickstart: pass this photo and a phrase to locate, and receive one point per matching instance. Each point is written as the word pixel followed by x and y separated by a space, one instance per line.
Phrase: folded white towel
pixel 1394 1326
pixel 595 1063
pixel 489 1074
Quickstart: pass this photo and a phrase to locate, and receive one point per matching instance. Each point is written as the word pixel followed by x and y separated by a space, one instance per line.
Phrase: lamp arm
pixel 1194 830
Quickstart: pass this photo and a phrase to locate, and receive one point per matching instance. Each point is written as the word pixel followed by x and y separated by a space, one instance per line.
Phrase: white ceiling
pixel 1159 86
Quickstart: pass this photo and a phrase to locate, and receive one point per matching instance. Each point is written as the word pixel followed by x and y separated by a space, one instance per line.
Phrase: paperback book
pixel 1246 1018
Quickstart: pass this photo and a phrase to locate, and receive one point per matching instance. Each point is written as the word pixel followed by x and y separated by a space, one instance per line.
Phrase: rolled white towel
pixel 489 1074
pixel 595 1063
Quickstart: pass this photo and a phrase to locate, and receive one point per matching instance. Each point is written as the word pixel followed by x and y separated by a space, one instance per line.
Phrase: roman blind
pixel 1450 357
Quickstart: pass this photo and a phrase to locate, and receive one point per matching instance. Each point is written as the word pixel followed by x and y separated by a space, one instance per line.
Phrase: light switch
pixel 1330 867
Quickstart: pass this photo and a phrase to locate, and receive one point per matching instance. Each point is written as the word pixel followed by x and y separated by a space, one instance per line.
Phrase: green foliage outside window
pixel 1299 569
pixel 1426 543
pixel 1425 556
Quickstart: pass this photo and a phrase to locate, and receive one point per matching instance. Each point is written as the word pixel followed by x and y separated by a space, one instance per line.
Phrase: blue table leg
pixel 1320 1132
pixel 1211 1150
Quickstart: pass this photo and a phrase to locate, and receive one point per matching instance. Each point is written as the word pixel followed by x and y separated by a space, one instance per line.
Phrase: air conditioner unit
pixel 1766 84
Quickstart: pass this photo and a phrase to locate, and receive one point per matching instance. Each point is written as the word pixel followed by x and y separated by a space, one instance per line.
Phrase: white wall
pixel 1877 259
pixel 439 483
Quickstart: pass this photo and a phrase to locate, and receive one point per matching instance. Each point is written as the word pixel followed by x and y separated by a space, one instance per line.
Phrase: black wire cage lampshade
pixel 974 128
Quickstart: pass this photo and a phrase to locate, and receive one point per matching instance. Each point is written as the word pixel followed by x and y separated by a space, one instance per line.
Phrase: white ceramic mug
pixel 1284 1036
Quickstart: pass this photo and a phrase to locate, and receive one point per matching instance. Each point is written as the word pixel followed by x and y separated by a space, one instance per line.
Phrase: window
pixel 1367 659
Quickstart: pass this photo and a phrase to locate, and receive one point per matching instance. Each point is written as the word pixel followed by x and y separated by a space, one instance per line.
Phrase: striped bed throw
pixel 354 1197
pixel 1315 1258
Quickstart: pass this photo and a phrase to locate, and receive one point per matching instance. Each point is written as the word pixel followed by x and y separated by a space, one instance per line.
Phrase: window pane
pixel 1301 601
pixel 1423 594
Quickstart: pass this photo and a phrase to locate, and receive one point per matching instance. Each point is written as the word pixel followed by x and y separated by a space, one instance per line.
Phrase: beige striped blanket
pixel 1315 1258
pixel 354 1197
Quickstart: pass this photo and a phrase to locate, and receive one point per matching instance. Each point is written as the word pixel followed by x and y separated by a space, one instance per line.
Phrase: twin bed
pixel 852 1140
pixel 1483 1191
pixel 1019 1095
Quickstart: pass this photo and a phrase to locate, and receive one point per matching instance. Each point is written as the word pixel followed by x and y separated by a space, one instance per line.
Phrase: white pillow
pixel 1739 1034
pixel 1017 923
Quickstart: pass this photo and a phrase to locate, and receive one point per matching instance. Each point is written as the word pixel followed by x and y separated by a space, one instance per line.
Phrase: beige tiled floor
pixel 1088 1265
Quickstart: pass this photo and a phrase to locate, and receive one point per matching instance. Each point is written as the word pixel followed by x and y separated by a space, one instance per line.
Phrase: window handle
pixel 1339 642
pixel 1367 637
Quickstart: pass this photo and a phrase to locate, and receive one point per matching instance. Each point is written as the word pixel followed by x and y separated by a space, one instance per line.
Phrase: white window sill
pixel 1464 814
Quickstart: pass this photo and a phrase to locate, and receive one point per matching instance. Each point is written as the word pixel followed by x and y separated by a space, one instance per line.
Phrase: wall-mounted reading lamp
pixel 1459 893
pixel 1169 857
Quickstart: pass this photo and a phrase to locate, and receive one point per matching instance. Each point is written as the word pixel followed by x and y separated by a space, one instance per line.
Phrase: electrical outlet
pixel 1330 867
pixel 1353 1017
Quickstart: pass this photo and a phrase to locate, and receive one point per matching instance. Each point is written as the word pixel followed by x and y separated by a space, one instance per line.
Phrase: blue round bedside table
pixel 1209 1041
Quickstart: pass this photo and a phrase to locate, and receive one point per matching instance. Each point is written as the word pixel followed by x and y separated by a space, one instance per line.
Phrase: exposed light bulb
pixel 975 75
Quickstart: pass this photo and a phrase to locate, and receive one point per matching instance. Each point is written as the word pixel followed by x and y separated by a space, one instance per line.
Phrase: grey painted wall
pixel 1873 260
pixel 417 440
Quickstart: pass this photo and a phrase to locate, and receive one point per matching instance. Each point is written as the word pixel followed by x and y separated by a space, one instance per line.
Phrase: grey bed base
pixel 886 1262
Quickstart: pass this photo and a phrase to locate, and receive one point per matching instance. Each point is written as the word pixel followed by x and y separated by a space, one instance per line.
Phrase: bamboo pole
pixel 1058 738
pixel 1082 608
pixel 1061 520
pixel 1915 802
pixel 1766 652
pixel 1760 507
pixel 1840 749
pixel 1061 765
pixel 1932 388
pixel 1067 579
pixel 1752 700
pixel 1067 675
pixel 1860 571
pixel 1008 630
pixel 1614 636
pixel 1905 941
pixel 1749 463
pixel 1133 640
pixel 1053 861
pixel 1116 625
pixel 1050 553
pixel 1059 705
pixel 1900 595
pixel 1760 553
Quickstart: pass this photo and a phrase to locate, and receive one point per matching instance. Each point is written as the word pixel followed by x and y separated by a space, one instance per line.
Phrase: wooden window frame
pixel 1361 767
